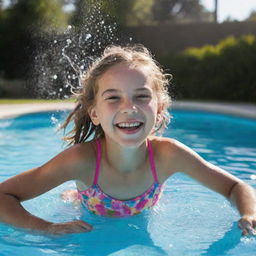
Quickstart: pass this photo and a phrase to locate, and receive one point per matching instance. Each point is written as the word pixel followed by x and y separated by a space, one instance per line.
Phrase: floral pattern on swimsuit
pixel 100 203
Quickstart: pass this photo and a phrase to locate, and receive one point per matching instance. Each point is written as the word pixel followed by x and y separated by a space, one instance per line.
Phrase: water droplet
pixel 55 41
pixel 88 36
pixel 130 38
pixel 69 27
pixel 82 67
pixel 55 77
pixel 253 177
pixel 60 89
pixel 54 120
pixel 69 41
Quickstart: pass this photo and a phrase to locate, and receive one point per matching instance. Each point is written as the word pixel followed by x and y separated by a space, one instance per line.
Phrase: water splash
pixel 62 58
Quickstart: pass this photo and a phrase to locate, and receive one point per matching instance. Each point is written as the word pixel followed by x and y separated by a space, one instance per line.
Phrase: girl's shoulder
pixel 85 151
pixel 168 153
pixel 81 157
pixel 165 145
pixel 172 148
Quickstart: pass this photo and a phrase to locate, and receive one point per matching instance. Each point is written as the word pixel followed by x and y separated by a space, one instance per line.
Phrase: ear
pixel 94 116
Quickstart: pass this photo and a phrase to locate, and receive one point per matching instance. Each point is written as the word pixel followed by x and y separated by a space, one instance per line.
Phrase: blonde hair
pixel 135 56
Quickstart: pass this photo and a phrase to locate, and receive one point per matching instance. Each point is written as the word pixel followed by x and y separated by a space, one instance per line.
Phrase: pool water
pixel 188 220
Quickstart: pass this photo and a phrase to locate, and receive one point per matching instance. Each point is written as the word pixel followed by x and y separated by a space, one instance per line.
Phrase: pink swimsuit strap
pixel 102 204
pixel 151 161
pixel 97 168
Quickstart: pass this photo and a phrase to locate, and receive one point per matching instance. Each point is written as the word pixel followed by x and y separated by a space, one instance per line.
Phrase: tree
pixel 141 13
pixel 173 11
pixel 116 11
pixel 24 20
pixel 252 16
pixel 40 14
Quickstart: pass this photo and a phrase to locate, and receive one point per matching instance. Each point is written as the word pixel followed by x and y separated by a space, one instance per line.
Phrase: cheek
pixel 106 112
pixel 153 106
pixel 109 108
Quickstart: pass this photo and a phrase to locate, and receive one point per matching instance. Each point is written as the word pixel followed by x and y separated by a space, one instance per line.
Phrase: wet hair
pixel 134 56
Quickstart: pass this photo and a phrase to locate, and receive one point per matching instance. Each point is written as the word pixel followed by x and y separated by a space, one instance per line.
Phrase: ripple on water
pixel 5 124
pixel 188 220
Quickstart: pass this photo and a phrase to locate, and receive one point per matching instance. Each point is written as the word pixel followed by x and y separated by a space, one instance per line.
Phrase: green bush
pixel 225 71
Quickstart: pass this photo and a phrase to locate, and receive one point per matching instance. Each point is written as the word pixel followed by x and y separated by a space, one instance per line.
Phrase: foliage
pixel 169 11
pixel 132 12
pixel 40 14
pixel 142 12
pixel 225 71
pixel 252 16
pixel 18 26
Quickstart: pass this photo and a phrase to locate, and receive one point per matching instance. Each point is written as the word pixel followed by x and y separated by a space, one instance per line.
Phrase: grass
pixel 23 101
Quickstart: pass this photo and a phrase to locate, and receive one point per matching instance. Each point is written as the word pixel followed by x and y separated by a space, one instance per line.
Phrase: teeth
pixel 124 125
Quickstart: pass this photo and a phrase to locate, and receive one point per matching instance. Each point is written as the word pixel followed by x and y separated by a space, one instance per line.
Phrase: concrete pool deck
pixel 238 109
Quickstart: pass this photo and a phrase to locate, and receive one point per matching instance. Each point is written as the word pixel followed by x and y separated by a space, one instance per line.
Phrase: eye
pixel 112 98
pixel 143 96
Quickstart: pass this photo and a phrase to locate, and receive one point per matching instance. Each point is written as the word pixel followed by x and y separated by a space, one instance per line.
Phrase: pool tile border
pixel 237 109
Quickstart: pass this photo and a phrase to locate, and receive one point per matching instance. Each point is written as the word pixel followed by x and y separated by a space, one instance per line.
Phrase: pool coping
pixel 237 109
pixel 246 110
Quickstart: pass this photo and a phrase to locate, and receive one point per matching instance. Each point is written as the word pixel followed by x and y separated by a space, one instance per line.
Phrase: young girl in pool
pixel 120 172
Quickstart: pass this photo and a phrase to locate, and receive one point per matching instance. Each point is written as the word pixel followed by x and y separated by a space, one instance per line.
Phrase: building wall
pixel 177 37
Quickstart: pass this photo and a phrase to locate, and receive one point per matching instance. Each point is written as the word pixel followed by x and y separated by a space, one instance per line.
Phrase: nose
pixel 128 107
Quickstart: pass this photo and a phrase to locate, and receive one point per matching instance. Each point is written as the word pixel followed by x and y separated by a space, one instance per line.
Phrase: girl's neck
pixel 124 159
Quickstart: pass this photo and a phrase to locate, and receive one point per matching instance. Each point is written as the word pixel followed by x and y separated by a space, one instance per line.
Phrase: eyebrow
pixel 116 90
pixel 109 91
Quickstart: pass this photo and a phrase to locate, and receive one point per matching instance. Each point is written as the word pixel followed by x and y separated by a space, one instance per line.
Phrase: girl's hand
pixel 77 226
pixel 248 225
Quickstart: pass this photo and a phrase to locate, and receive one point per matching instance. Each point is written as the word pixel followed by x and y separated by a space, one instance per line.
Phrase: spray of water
pixel 62 58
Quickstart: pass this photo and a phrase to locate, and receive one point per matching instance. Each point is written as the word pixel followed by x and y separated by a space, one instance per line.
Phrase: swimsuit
pixel 98 202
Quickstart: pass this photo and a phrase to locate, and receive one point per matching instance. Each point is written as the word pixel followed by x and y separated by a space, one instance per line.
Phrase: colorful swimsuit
pixel 100 203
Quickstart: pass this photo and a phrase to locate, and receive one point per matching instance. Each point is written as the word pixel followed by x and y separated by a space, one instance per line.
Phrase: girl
pixel 123 102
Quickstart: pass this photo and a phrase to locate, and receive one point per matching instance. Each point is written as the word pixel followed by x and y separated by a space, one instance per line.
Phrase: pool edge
pixel 236 109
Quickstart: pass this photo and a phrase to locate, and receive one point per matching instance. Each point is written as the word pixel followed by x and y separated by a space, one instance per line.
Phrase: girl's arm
pixel 65 166
pixel 184 159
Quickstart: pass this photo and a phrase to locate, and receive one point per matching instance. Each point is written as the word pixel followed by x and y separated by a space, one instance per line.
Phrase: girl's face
pixel 125 105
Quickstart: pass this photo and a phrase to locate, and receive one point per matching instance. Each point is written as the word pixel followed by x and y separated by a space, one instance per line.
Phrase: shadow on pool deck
pixel 238 109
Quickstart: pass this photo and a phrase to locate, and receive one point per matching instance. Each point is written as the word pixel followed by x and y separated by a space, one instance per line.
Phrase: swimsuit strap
pixel 151 160
pixel 97 168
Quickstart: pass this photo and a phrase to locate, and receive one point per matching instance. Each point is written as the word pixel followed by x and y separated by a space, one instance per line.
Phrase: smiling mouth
pixel 129 126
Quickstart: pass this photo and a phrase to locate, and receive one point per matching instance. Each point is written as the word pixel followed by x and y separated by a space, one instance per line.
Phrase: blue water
pixel 189 219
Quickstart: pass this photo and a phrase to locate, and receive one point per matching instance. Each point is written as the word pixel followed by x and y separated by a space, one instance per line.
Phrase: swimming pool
pixel 189 219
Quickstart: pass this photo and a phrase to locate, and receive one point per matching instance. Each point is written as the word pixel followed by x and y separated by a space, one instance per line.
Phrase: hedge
pixel 226 71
